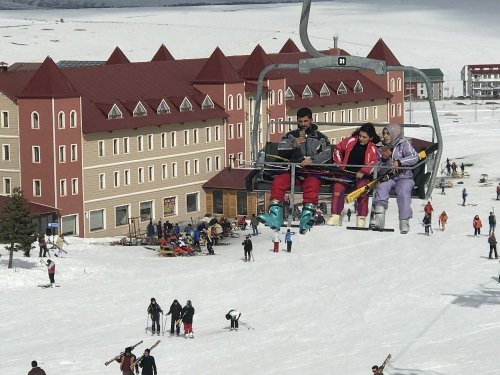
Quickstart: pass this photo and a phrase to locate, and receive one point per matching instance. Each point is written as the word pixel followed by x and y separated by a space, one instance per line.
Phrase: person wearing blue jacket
pixel 396 151
pixel 288 240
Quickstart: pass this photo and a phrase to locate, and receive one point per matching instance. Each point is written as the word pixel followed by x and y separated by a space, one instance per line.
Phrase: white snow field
pixel 341 300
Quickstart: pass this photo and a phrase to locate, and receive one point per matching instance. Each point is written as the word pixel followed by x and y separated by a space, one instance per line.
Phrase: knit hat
pixel 396 132
pixel 128 349
pixel 147 350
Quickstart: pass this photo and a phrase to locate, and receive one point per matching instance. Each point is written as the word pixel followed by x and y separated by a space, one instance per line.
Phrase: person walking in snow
pixel 176 312
pixel 187 319
pixel 462 168
pixel 288 240
pixel 492 240
pixel 43 246
pixel 148 364
pixel 498 192
pixel 349 213
pixel 126 361
pixel 234 316
pixel 443 218
pixel 442 185
pixel 155 310
pixel 448 167
pixel 464 196
pixel 492 221
pixel 427 224
pixel 276 240
pixel 254 222
pixel 477 225
pixel 247 248
pixel 428 209
pixel 59 245
pixel 35 370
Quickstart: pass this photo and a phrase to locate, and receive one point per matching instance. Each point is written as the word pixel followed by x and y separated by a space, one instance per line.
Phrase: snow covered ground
pixel 338 303
pixel 445 34
pixel 342 300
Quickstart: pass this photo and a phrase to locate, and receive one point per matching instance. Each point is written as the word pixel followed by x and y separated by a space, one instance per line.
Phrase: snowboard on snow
pixel 372 229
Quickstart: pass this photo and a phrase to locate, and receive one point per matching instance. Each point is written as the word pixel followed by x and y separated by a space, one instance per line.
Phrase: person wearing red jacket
pixel 51 268
pixel 358 149
pixel 476 223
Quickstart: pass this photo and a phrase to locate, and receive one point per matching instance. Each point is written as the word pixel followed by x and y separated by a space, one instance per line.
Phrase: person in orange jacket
pixel 476 223
pixel 443 218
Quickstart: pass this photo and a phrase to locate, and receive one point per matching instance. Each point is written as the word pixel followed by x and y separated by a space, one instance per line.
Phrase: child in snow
pixel 288 240
pixel 443 218
pixel 427 224
pixel 477 225
pixel 51 268
pixel 234 315
pixel 276 240
pixel 247 247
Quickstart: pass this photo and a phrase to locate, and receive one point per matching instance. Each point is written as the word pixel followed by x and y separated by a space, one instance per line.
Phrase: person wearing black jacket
pixel 247 247
pixel 148 364
pixel 176 311
pixel 155 310
pixel 187 319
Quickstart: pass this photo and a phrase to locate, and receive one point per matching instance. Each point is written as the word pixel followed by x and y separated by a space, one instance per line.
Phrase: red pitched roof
pixel 162 54
pixel 49 82
pixel 217 69
pixel 289 47
pixel 380 51
pixel 228 178
pixel 254 64
pixel 117 57
pixel 36 209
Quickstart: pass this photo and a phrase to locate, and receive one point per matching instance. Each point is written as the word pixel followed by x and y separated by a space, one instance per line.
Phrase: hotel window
pixel 121 215
pixel 74 186
pixel 316 117
pixel 116 146
pixel 239 158
pixel 280 125
pixel 6 152
pixel 62 188
pixel 62 154
pixel 375 113
pixel 393 110
pixel 366 113
pixel 96 221
pixel 74 152
pixel 174 169
pixel 100 148
pixel 126 177
pixel 140 143
pixel 217 133
pixel 102 181
pixel 151 173
pixel 187 168
pixel 72 119
pixel 35 121
pixel 239 101
pixel 37 188
pixel 163 140
pixel 342 116
pixel 359 114
pixel 150 142
pixel 349 115
pixel 217 163
pixel 146 210
pixel 231 160
pixel 208 164
pixel 173 139
pixel 208 135
pixel 230 103
pixel 393 85
pixel 325 115
pixel 140 175
pixel 333 117
pixel 196 136
pixel 399 109
pixel 5 119
pixel 126 145
pixel 239 130
pixel 186 137
pixel 7 186
pixel 271 97
pixel 196 166
pixel 280 97
pixel 116 177
pixel 230 131
pixel 60 120
pixel 164 172
pixel 398 85
pixel 192 204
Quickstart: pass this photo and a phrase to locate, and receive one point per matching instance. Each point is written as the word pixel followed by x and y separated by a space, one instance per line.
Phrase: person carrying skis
pixel 247 248
pixel 305 145
pixel 126 361
pixel 155 310
pixel 492 240
pixel 376 370
pixel 492 221
pixel 59 245
pixel 234 315
pixel 276 240
pixel 187 319
pixel 358 149
pixel 35 370
pixel 51 268
pixel 396 152
pixel 288 240
pixel 443 218
pixel 176 312
pixel 43 246
pixel 148 364
pixel 477 225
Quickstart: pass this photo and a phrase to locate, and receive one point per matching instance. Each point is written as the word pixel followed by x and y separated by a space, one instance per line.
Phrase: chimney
pixel 335 45
pixel 3 66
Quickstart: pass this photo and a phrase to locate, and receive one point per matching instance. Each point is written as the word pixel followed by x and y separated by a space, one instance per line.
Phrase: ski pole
pixel 251 253
pixel 162 326
pixel 147 322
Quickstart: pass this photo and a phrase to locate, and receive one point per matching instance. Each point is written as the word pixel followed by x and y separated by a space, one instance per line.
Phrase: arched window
pixel 393 85
pixel 280 97
pixel 399 84
pixel 35 120
pixel 72 119
pixel 60 120
pixel 239 101
pixel 230 103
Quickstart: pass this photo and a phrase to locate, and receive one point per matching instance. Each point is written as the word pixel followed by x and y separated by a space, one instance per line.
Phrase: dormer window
pixel 307 93
pixel 289 94
pixel 185 105
pixel 115 113
pixel 358 87
pixel 163 108
pixel 342 89
pixel 207 103
pixel 139 110
pixel 325 91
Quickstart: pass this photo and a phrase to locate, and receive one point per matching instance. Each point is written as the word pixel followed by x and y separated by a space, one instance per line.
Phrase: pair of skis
pixel 139 360
pixel 119 356
pixel 381 367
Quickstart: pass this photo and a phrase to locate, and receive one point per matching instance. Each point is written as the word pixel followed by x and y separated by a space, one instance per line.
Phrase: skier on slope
pixel 234 316
pixel 187 319
pixel 155 310
pixel 126 361
pixel 176 312
pixel 51 268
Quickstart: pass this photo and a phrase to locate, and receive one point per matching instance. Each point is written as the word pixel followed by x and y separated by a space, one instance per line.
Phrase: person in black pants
pixel 155 310
pixel 148 364
pixel 247 247
pixel 234 315
pixel 176 311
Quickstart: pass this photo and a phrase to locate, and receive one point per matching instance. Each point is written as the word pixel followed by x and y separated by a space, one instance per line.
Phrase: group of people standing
pixel 358 156
pixel 179 314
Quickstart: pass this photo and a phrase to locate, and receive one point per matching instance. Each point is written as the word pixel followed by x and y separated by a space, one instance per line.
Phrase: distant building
pixel 481 81
pixel 415 86
pixel 115 142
